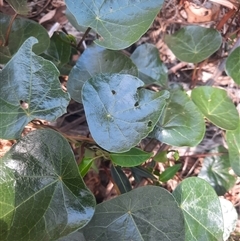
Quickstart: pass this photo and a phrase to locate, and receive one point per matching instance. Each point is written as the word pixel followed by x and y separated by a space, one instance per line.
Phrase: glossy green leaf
pixel 193 44
pixel 202 210
pixel 59 50
pixel 21 30
pixel 85 165
pixel 215 104
pixel 230 217
pixel 97 60
pixel 131 158
pixel 169 173
pixel 120 23
pixel 29 89
pixel 233 141
pixel 43 196
pixel 19 6
pixel 161 157
pixel 151 68
pixel 233 65
pixel 146 213
pixel 181 123
pixel 215 170
pixel 120 179
pixel 119 114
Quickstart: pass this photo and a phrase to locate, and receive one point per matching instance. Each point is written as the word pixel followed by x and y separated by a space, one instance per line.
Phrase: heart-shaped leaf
pixel 233 141
pixel 193 44
pixel 131 158
pixel 146 213
pixel 29 89
pixel 43 196
pixel 215 170
pixel 181 123
pixel 202 210
pixel 21 29
pixel 97 60
pixel 119 23
pixel 215 104
pixel 233 65
pixel 19 6
pixel 119 114
pixel 151 68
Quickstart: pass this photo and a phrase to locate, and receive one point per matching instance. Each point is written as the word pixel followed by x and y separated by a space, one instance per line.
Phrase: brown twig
pixel 83 37
pixel 9 29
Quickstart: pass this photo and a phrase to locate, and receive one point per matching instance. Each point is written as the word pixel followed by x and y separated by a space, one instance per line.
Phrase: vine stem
pixel 83 37
pixel 9 29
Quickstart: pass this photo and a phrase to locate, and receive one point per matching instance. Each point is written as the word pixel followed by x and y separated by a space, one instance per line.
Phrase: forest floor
pixel 221 15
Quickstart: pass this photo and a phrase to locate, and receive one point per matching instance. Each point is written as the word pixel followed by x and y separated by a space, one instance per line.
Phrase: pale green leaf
pixel 29 89
pixel 120 23
pixel 43 196
pixel 215 104
pixel 97 60
pixel 147 213
pixel 201 209
pixel 21 30
pixel 193 44
pixel 119 114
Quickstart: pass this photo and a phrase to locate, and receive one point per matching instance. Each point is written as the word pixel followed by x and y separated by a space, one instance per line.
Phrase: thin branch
pixel 83 37
pixel 9 29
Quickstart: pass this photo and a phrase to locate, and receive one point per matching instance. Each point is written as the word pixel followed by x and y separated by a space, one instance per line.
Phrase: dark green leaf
pixel 169 173
pixel 202 210
pixel 131 158
pixel 97 60
pixel 29 89
pixel 181 123
pixel 120 179
pixel 233 141
pixel 147 213
pixel 141 172
pixel 21 30
pixel 43 196
pixel 215 104
pixel 119 114
pixel 215 170
pixel 151 68
pixel 233 65
pixel 59 49
pixel 119 23
pixel 19 6
pixel 85 165
pixel 193 44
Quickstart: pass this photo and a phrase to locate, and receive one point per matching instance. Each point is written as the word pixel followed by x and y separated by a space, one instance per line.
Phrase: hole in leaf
pixel 24 104
pixel 149 124
pixel 113 92
pixel 136 104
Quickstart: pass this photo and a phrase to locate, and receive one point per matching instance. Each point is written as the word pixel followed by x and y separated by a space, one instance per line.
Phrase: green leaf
pixel 140 172
pixel 85 165
pixel 233 141
pixel 161 157
pixel 181 123
pixel 146 213
pixel 29 89
pixel 76 236
pixel 193 44
pixel 201 209
pixel 131 158
pixel 233 65
pixel 169 173
pixel 215 170
pixel 151 68
pixel 19 6
pixel 21 30
pixel 59 50
pixel 120 179
pixel 97 60
pixel 119 23
pixel 43 196
pixel 119 114
pixel 215 104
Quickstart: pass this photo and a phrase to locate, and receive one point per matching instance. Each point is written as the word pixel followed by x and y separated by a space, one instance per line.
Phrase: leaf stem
pixel 83 37
pixel 9 29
